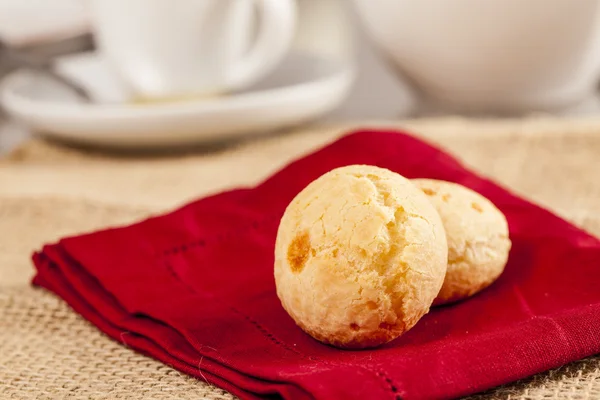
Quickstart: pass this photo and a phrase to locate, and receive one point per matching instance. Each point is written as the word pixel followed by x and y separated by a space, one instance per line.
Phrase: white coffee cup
pixel 489 55
pixel 184 48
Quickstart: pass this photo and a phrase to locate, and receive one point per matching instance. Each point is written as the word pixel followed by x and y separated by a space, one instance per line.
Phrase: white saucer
pixel 304 87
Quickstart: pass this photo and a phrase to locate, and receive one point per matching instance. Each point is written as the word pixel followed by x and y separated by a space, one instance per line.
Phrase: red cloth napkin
pixel 195 289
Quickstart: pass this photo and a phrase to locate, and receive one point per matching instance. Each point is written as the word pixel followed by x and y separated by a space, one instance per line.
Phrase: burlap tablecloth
pixel 47 191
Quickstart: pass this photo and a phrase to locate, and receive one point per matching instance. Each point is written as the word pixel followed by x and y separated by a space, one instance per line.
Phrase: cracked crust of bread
pixel 477 234
pixel 376 257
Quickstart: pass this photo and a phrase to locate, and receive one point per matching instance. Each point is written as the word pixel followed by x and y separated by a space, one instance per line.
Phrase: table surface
pixel 47 192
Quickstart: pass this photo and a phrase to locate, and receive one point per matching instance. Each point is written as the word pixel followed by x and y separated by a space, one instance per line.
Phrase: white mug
pixel 491 55
pixel 183 48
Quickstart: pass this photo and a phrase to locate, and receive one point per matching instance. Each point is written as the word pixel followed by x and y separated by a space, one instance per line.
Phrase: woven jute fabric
pixel 48 191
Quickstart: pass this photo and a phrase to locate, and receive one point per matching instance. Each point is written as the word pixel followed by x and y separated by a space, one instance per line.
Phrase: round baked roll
pixel 360 255
pixel 477 234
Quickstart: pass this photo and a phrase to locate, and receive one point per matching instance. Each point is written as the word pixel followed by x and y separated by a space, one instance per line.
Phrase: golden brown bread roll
pixel 477 234
pixel 360 256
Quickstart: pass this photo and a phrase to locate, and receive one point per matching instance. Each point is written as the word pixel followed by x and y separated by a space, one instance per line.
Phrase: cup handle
pixel 277 23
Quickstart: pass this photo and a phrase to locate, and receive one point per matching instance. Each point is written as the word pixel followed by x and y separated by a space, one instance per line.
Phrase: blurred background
pixel 356 60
